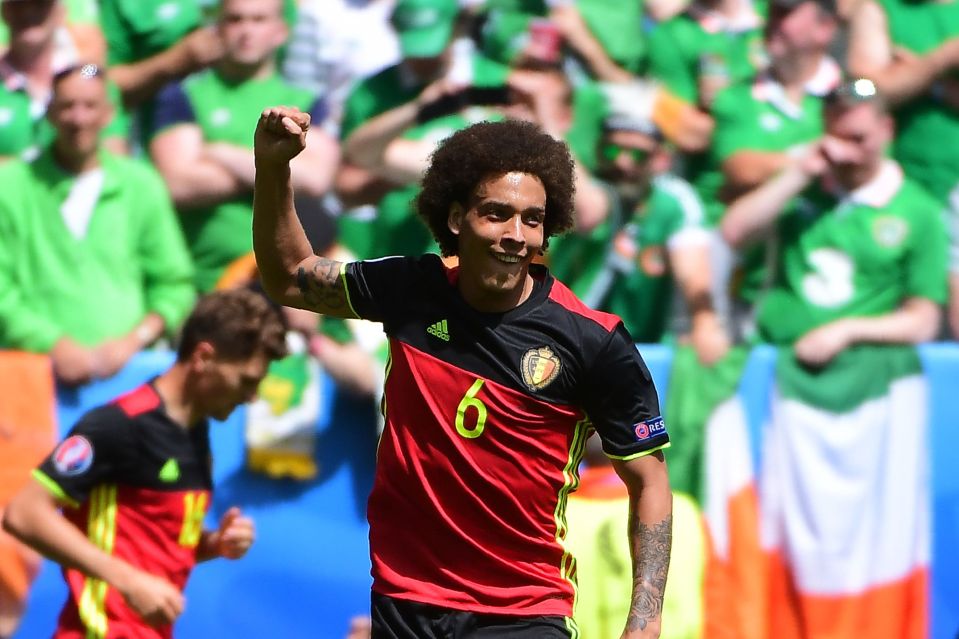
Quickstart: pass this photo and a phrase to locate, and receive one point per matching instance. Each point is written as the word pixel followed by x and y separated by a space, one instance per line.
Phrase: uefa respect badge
pixel 649 428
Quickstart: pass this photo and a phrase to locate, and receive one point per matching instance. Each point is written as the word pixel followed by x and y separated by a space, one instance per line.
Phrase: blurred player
pixel 134 479
pixel 497 375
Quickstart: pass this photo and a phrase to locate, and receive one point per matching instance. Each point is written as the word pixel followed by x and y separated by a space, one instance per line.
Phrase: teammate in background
pixel 134 478
pixel 497 375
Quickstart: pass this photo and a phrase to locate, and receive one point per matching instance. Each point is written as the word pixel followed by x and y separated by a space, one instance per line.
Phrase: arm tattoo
pixel 321 286
pixel 651 546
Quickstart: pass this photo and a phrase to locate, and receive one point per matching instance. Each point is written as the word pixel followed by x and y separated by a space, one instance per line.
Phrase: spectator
pixel 40 47
pixel 653 231
pixel 93 267
pixel 860 274
pixel 337 43
pixel 388 105
pixel 203 147
pixel 134 479
pixel 911 51
pixel 711 45
pixel 83 26
pixel 762 123
pixel 151 43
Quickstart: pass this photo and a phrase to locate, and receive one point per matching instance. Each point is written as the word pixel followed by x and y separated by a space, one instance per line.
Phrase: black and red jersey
pixel 487 416
pixel 138 485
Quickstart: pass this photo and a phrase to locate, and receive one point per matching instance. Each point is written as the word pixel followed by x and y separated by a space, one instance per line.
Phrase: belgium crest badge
pixel 540 366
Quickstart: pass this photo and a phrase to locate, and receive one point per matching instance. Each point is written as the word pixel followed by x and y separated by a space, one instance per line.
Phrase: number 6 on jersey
pixel 470 401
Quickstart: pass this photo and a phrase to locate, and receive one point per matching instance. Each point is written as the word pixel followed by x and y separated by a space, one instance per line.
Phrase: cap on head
pixel 424 27
pixel 628 109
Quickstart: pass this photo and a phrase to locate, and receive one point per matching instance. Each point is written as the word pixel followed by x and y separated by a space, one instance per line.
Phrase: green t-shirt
pixel 130 260
pixel 225 112
pixel 859 256
pixel 696 43
pixel 394 86
pixel 927 131
pixel 618 27
pixel 24 128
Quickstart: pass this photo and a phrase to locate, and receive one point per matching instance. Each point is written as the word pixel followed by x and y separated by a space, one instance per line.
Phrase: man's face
pixel 252 30
pixel 801 29
pixel 79 111
pixel 864 132
pixel 32 23
pixel 499 236
pixel 223 385
pixel 626 160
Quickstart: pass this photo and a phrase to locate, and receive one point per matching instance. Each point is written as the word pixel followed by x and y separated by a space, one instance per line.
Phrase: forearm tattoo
pixel 651 546
pixel 321 286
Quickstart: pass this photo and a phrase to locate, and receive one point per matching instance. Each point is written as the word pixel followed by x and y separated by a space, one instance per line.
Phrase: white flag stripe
pixel 729 467
pixel 850 491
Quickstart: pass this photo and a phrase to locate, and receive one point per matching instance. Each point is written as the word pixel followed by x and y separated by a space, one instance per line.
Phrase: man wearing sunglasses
pixel 652 236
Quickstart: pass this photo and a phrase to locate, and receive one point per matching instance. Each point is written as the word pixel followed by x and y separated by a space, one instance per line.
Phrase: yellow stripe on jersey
pixel 101 529
pixel 581 433
pixel 346 290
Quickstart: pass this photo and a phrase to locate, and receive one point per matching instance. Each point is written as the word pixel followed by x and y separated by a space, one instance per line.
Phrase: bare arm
pixel 33 517
pixel 577 34
pixel 916 321
pixel 291 274
pixel 356 186
pixel 690 264
pixel 312 170
pixel 194 178
pixel 753 216
pixel 650 538
pixel 745 170
pixel 140 81
pixel 898 77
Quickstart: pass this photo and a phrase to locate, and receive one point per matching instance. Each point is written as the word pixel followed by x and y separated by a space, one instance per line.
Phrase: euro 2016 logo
pixel 649 428
pixel 73 456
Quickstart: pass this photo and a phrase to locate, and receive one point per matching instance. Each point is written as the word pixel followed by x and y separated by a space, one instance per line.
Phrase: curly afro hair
pixel 489 149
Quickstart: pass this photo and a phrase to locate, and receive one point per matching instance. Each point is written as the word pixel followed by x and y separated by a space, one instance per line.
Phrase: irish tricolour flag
pixel 844 493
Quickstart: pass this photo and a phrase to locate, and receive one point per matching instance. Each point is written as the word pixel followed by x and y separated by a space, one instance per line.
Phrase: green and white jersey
pixel 622 266
pixel 700 43
pixel 225 112
pixel 395 86
pixel 855 255
pixel 927 131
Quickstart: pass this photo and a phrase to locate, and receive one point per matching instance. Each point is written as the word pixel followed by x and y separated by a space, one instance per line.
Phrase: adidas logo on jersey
pixel 439 330
pixel 170 471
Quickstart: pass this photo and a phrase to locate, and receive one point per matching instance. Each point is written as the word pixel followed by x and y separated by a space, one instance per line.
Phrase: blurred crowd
pixel 126 164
